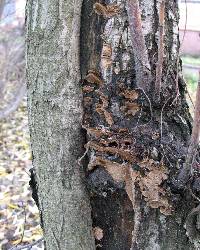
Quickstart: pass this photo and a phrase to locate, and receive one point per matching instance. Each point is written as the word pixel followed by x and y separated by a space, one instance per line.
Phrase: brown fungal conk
pixel 106 11
pixel 93 77
pixel 130 94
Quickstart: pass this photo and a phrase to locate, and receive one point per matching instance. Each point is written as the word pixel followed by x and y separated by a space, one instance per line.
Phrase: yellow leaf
pixel 15 242
pixel 13 206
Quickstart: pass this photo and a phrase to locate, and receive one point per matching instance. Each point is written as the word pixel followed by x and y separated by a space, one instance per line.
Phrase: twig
pixel 82 157
pixel 143 76
pixel 159 66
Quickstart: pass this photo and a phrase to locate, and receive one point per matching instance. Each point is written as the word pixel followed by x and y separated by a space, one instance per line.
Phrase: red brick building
pixel 190 27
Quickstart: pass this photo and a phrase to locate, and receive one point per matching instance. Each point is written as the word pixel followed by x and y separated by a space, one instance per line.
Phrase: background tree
pixel 2 4
pixel 134 113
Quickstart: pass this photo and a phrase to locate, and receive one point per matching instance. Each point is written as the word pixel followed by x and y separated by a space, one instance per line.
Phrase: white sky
pixel 193 16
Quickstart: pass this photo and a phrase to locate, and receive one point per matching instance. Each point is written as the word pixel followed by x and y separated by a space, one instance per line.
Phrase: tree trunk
pixel 137 130
pixel 136 124
pixel 54 103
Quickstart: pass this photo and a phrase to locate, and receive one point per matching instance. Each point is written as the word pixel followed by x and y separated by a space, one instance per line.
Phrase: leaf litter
pixel 19 216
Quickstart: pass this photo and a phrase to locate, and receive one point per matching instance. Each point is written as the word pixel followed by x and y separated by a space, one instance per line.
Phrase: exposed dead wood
pixel 159 66
pixel 93 77
pixel 124 154
pixel 88 89
pixel 101 108
pixel 106 54
pixel 130 94
pixel 106 11
pixel 129 173
pixel 97 132
pixel 142 64
pixel 130 108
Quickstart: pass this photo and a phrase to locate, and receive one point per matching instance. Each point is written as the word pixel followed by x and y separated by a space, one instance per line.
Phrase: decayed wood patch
pixel 117 103
pixel 150 186
pixel 87 101
pixel 97 132
pixel 130 108
pixel 106 56
pixel 104 142
pixel 93 77
pixel 142 65
pixel 130 94
pixel 101 108
pixel 149 182
pixel 106 11
pixel 124 154
pixel 88 89
pixel 116 170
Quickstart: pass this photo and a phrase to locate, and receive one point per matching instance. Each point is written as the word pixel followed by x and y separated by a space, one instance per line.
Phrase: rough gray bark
pixel 54 105
pixel 2 5
pixel 136 142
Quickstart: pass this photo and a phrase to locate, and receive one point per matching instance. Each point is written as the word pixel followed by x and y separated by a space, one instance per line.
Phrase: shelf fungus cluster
pixel 118 149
